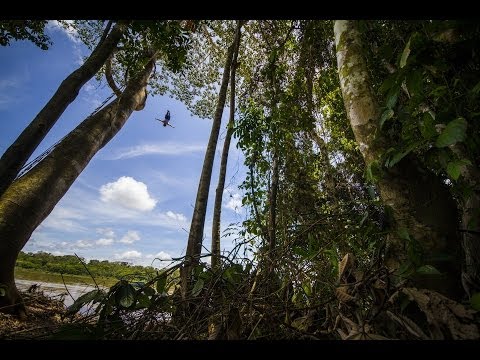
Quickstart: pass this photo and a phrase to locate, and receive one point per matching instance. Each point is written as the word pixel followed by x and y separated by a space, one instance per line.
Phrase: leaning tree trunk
pixel 420 202
pixel 195 236
pixel 18 153
pixel 31 198
pixel 217 208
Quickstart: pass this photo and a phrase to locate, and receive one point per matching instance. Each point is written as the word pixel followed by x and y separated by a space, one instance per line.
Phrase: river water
pixel 57 290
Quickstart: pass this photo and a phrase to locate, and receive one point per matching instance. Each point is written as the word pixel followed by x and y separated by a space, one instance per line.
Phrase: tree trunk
pixel 470 209
pixel 195 236
pixel 420 202
pixel 31 198
pixel 20 151
pixel 272 214
pixel 217 208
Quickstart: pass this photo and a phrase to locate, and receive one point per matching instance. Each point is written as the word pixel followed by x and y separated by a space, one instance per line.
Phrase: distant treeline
pixel 70 264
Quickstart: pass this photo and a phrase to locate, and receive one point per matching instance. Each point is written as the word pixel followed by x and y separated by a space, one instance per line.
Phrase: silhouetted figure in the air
pixel 167 119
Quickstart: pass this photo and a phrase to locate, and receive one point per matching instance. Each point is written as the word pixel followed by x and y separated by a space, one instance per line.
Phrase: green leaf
pixel 399 155
pixel 307 288
pixel 147 290
pixel 428 270
pixel 414 82
pixel 405 54
pixel 426 126
pixel 454 168
pixel 476 89
pixel 389 83
pixel 300 251
pixel 94 295
pixel 161 283
pixel 403 234
pixel 453 133
pixel 475 301
pixel 3 290
pixel 406 269
pixel 439 91
pixel 125 295
pixel 387 114
pixel 392 98
pixel 143 301
pixel 197 287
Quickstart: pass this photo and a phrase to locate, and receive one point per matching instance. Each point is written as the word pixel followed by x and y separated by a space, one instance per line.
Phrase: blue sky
pixel 134 201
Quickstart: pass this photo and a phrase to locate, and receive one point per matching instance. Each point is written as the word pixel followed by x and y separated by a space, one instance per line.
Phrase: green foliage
pixel 453 133
pixel 93 296
pixel 197 288
pixel 31 30
pixel 69 264
pixel 475 301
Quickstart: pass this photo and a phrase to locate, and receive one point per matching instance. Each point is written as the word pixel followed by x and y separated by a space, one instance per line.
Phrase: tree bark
pixel 31 198
pixel 20 151
pixel 217 208
pixel 420 202
pixel 272 214
pixel 195 236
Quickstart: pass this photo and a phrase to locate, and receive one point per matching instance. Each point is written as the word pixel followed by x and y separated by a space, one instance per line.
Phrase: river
pixel 56 290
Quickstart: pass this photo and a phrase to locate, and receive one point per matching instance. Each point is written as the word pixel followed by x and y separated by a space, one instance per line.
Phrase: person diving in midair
pixel 166 120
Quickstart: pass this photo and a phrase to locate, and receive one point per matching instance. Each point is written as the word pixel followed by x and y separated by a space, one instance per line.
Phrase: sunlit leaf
pixel 454 168
pixel 198 287
pixel 428 270
pixel 454 132
pixel 94 295
pixel 125 295
pixel 405 54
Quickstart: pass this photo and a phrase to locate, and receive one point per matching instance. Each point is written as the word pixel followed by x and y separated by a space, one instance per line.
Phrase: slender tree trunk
pixel 31 198
pixel 217 208
pixel 195 236
pixel 272 228
pixel 19 152
pixel 421 204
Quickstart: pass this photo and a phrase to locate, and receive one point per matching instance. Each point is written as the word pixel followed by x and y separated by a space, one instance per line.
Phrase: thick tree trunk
pixel 195 236
pixel 31 198
pixel 19 152
pixel 217 208
pixel 421 204
pixel 470 226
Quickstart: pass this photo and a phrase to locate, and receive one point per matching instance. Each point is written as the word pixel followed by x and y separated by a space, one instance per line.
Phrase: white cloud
pixel 175 216
pixel 162 255
pixel 129 255
pixel 64 219
pixel 130 237
pixel 235 203
pixel 104 242
pixel 128 193
pixel 66 27
pixel 107 232
pixel 83 244
pixel 169 148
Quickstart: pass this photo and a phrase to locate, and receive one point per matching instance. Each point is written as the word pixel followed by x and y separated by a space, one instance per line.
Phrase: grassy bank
pixel 37 275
